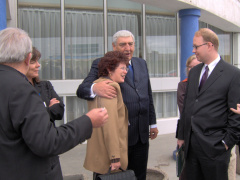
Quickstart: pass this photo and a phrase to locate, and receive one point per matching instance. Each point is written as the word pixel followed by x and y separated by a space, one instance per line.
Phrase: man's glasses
pixel 195 47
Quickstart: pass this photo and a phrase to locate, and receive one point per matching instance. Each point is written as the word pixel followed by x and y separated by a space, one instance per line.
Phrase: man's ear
pixel 114 47
pixel 28 58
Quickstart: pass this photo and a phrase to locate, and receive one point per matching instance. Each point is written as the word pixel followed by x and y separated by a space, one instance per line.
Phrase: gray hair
pixel 15 45
pixel 122 33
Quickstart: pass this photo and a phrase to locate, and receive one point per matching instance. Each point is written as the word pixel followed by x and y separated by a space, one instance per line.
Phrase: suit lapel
pixel 217 72
pixel 197 76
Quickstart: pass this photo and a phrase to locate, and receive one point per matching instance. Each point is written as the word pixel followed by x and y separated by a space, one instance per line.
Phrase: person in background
pixel 51 100
pixel 181 90
pixel 108 145
pixel 28 139
pixel 137 96
pixel 207 128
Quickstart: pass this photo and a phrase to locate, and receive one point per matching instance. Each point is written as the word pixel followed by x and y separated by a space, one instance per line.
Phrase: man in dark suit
pixel 208 129
pixel 28 139
pixel 137 96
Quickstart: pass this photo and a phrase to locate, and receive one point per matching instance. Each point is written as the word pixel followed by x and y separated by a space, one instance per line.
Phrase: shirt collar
pixel 130 62
pixel 212 65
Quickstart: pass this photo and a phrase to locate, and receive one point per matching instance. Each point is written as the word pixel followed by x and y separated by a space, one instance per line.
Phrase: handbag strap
pixel 109 171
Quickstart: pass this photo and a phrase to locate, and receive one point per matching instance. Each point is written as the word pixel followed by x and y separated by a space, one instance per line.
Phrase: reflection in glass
pixel 44 27
pixel 84 40
pixel 161 46
pixel 75 107
pixel 165 104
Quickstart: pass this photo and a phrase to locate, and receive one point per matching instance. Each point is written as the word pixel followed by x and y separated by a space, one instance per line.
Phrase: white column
pixel 236 49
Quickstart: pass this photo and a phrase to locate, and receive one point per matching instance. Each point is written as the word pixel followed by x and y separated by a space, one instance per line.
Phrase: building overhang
pixel 220 16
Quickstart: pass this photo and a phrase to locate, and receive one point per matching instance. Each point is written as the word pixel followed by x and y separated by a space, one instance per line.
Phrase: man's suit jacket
pixel 27 137
pixel 207 112
pixel 137 97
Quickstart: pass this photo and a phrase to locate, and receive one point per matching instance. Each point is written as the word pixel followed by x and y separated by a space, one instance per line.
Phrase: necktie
pixel 204 78
pixel 131 73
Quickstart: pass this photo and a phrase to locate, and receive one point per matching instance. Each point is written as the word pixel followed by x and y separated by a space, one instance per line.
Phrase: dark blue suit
pixel 137 97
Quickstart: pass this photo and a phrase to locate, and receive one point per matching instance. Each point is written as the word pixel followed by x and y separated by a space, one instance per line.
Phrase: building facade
pixel 70 34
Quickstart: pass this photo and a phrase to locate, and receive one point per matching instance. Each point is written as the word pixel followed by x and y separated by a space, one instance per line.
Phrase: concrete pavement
pixel 160 158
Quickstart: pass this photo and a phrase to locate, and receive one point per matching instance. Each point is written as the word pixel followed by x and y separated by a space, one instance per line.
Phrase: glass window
pixel 165 104
pixel 44 27
pixel 161 46
pixel 75 107
pixel 84 40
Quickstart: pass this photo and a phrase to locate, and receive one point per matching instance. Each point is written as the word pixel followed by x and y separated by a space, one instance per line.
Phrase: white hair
pixel 122 33
pixel 15 45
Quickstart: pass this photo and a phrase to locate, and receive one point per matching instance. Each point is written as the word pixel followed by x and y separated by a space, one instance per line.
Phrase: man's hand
pixel 98 116
pixel 180 142
pixel 237 111
pixel 103 89
pixel 153 133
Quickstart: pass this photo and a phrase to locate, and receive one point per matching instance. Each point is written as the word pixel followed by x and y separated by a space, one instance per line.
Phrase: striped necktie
pixel 131 73
pixel 204 78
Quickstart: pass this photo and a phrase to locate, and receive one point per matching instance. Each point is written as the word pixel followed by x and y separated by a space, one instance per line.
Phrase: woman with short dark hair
pixel 107 146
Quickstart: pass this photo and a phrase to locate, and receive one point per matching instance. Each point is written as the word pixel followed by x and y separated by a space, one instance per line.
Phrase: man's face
pixel 200 48
pixel 125 45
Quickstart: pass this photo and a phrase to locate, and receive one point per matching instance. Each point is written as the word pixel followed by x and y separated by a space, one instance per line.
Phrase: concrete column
pixel 3 14
pixel 236 46
pixel 188 26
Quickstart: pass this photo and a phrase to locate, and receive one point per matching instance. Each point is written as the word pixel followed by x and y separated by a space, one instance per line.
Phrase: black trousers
pixel 200 167
pixel 95 176
pixel 138 158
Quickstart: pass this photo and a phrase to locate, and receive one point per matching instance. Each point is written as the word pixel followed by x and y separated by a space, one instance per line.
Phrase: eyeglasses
pixel 124 68
pixel 130 44
pixel 195 47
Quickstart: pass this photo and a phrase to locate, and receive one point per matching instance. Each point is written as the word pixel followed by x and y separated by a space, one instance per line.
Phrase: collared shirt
pixel 130 62
pixel 211 66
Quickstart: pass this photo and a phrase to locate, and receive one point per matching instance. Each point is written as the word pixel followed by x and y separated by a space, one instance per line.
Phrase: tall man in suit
pixel 137 96
pixel 208 129
pixel 28 139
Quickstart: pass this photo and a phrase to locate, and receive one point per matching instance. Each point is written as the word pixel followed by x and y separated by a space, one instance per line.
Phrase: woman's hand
pixel 53 101
pixel 115 166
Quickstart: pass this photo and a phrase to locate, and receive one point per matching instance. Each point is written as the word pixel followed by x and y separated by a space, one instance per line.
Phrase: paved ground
pixel 160 158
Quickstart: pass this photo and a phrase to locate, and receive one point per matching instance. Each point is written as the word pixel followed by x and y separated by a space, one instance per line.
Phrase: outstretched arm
pixel 84 89
pixel 102 89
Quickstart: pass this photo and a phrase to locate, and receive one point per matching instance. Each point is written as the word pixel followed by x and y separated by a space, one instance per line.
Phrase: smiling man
pixel 137 96
pixel 207 128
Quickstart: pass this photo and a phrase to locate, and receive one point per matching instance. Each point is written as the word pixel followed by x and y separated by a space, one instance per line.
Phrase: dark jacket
pixel 47 92
pixel 207 112
pixel 27 137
